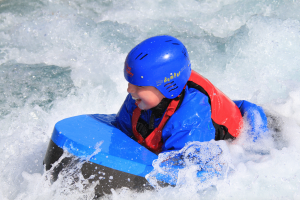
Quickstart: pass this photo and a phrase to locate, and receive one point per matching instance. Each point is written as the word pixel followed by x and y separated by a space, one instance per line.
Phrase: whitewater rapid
pixel 63 58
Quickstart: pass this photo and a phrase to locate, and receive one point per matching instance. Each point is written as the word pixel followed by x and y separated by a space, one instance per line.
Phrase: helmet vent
pixel 175 43
pixel 184 52
pixel 173 89
pixel 168 83
pixel 143 56
pixel 171 86
pixel 138 55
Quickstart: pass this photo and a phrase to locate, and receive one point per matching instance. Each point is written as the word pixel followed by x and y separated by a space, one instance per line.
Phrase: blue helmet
pixel 162 62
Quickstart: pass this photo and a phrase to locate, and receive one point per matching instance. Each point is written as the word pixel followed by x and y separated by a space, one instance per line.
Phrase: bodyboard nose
pixel 108 155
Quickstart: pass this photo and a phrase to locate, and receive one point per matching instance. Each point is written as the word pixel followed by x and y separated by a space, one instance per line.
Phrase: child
pixel 169 104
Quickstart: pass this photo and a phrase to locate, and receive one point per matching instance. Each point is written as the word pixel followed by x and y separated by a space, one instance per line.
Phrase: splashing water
pixel 63 58
pixel 198 165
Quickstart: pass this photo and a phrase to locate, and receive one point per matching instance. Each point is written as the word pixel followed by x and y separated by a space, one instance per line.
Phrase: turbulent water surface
pixel 62 58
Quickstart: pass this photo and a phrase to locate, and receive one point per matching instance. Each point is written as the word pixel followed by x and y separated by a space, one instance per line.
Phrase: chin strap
pixel 154 141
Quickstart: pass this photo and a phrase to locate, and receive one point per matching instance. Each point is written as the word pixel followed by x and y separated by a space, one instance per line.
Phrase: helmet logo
pixel 172 76
pixel 128 70
pixel 158 83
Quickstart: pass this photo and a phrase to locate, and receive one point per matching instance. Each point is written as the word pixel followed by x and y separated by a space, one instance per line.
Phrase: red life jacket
pixel 224 114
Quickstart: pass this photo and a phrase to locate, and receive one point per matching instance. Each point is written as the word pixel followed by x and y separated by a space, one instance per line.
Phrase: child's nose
pixel 131 88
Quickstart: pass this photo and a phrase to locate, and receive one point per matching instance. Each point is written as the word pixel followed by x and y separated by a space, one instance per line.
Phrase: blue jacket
pixel 191 122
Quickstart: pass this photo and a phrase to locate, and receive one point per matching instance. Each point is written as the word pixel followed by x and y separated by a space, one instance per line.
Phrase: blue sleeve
pixel 209 158
pixel 123 118
pixel 191 122
pixel 256 118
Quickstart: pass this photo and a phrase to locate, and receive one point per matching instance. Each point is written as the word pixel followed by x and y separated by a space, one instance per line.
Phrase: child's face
pixel 146 96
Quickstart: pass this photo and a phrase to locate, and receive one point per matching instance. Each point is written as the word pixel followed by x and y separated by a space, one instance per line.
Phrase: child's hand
pixel 197 163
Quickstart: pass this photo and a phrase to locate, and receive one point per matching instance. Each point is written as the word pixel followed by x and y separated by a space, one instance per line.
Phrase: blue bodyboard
pixel 90 137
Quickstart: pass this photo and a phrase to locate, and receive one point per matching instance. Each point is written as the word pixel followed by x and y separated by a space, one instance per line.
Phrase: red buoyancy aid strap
pixel 223 110
pixel 135 117
pixel 153 142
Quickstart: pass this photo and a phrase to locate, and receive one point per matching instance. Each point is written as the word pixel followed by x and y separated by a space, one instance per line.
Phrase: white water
pixel 64 58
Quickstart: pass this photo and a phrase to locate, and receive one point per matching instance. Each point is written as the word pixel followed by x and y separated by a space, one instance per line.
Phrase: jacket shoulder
pixel 191 122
